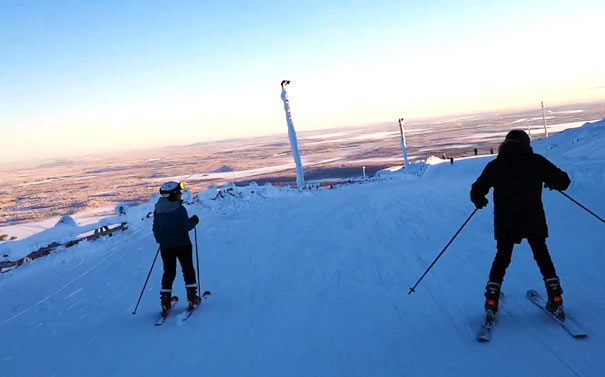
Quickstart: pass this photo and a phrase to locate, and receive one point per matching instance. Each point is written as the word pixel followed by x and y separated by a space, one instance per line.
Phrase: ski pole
pixel 586 209
pixel 146 280
pixel 197 261
pixel 441 253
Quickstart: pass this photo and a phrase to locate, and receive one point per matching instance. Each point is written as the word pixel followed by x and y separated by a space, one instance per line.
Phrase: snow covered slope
pixel 315 284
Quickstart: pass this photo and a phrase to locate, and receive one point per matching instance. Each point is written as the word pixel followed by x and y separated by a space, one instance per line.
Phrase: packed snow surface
pixel 316 284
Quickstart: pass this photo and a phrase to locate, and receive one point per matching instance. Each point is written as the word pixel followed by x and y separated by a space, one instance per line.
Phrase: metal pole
pixel 300 175
pixel 586 209
pixel 403 145
pixel 413 289
pixel 197 261
pixel 146 280
pixel 544 120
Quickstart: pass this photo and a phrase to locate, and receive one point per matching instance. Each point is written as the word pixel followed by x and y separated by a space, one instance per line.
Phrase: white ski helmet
pixel 171 189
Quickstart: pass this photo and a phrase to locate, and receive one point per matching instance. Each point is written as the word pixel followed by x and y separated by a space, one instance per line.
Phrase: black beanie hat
pixel 518 136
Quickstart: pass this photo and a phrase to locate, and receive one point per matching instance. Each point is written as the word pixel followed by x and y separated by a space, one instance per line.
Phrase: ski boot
pixel 492 295
pixel 193 298
pixel 555 301
pixel 166 300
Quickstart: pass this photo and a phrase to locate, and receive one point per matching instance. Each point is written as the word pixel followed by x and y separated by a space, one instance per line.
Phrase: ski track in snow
pixel 45 299
pixel 114 250
pixel 317 284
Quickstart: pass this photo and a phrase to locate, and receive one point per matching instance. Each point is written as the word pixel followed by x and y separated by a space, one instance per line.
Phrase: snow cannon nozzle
pixel 285 83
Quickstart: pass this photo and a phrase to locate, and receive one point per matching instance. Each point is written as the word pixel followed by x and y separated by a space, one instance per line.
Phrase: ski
pixel 569 324
pixel 485 332
pixel 190 311
pixel 163 317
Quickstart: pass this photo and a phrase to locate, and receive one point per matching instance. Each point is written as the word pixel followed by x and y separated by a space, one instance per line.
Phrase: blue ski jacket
pixel 171 224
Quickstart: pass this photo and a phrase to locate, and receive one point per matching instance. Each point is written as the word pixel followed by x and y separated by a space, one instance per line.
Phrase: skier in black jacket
pixel 517 175
pixel 171 226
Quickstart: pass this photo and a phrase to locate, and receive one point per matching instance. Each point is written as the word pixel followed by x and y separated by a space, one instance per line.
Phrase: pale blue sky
pixel 101 76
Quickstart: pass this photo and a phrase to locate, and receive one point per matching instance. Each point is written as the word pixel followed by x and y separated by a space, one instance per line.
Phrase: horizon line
pixel 72 157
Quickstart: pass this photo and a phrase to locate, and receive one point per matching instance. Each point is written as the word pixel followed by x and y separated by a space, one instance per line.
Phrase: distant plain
pixel 40 190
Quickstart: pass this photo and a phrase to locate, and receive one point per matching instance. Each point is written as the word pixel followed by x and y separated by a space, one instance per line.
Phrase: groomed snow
pixel 316 283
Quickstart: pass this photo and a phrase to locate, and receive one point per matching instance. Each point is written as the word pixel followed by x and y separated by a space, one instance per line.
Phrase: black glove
pixel 547 186
pixel 195 219
pixel 480 202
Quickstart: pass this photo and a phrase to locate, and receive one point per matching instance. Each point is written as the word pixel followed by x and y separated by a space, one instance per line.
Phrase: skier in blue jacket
pixel 171 226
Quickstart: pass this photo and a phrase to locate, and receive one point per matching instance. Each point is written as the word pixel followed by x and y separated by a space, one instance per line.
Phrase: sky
pixel 80 77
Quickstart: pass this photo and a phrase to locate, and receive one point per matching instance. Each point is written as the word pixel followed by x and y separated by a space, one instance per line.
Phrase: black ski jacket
pixel 171 224
pixel 517 175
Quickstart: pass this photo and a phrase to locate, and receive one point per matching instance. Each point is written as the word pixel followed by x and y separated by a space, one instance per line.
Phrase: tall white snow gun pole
pixel 300 175
pixel 544 120
pixel 403 146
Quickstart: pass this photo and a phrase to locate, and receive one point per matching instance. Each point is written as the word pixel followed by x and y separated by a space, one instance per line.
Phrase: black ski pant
pixel 185 256
pixel 505 252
